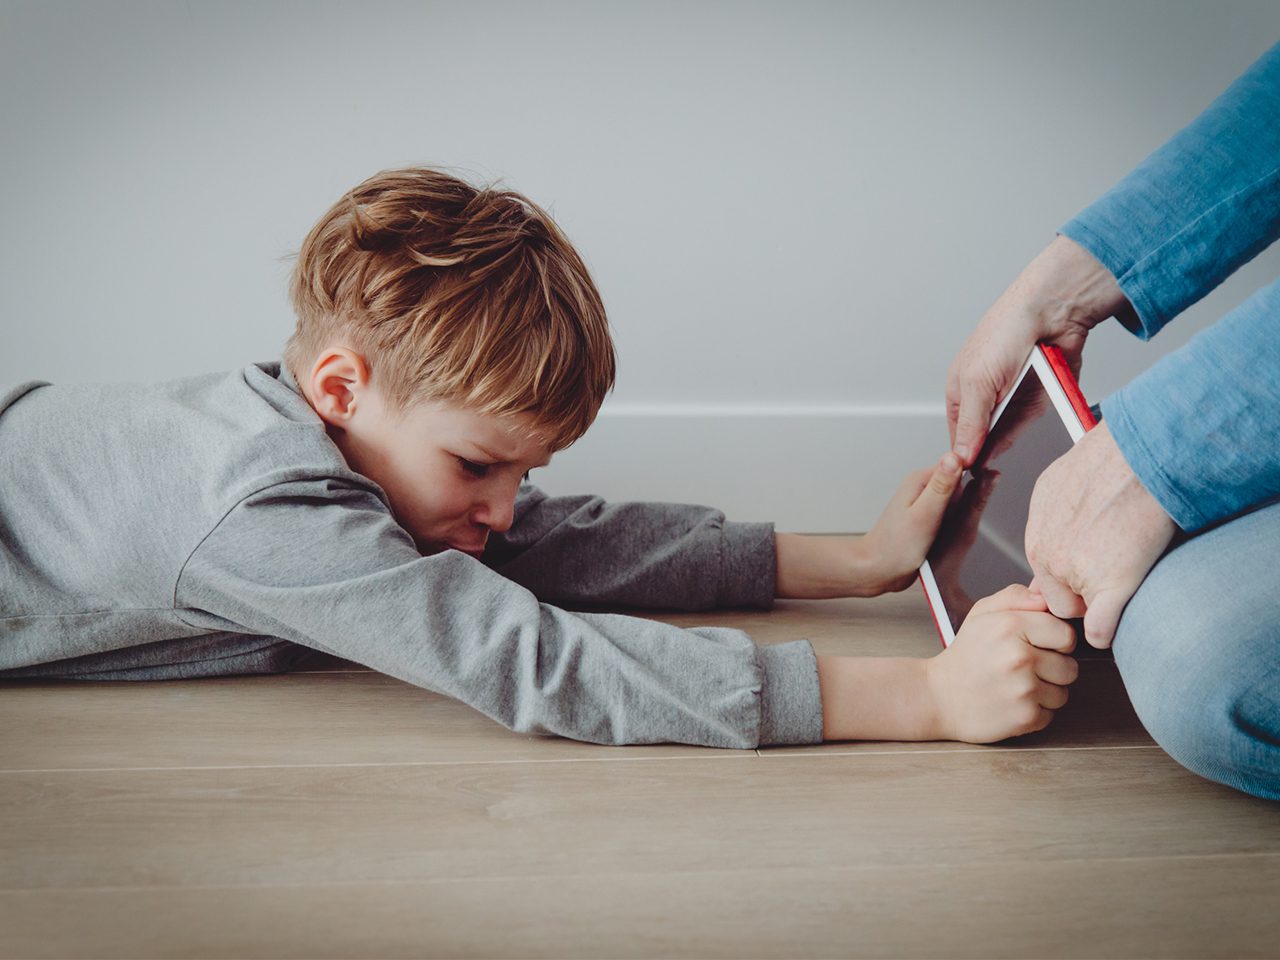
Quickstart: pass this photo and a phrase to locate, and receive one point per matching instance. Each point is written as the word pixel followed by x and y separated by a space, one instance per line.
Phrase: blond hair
pixel 457 293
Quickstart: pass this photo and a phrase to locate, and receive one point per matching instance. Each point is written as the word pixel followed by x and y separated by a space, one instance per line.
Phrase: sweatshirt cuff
pixel 747 566
pixel 790 700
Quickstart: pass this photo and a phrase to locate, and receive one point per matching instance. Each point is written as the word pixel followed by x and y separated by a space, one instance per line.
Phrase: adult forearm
pixel 1065 287
pixel 876 698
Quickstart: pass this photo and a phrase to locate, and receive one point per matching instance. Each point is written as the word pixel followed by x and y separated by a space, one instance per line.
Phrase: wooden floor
pixel 340 813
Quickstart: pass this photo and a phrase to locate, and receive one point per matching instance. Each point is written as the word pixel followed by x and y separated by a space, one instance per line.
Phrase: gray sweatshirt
pixel 209 526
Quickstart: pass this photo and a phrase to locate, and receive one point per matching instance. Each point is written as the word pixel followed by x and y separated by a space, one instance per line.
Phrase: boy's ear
pixel 338 379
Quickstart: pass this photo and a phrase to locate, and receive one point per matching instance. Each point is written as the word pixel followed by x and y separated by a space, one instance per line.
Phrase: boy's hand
pixel 1006 672
pixel 885 559
pixel 896 546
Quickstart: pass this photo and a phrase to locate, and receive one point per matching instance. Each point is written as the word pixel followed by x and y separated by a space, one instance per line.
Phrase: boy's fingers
pixel 1047 632
pixel 1045 718
pixel 911 486
pixel 945 476
pixel 940 483
pixel 1013 597
pixel 1051 696
pixel 1056 668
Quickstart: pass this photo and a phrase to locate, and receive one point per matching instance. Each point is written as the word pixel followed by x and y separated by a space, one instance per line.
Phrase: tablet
pixel 979 548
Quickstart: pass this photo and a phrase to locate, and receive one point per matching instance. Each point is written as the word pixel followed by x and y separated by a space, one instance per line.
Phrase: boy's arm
pixel 321 562
pixel 580 549
pixel 683 557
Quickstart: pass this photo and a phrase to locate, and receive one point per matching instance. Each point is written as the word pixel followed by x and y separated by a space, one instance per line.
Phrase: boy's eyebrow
pixel 501 459
pixel 489 453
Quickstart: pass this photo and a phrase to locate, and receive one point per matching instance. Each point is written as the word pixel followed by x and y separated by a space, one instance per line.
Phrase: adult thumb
pixel 971 424
pixel 1102 617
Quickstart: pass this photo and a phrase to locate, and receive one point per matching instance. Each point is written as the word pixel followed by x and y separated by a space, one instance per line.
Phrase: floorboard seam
pixel 736 755
pixel 559 877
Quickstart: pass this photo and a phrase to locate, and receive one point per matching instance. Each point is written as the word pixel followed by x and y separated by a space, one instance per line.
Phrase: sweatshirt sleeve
pixel 1198 208
pixel 323 563
pixel 580 549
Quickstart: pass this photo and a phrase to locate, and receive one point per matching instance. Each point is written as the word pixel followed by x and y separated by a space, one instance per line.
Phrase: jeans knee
pixel 1212 710
pixel 1198 648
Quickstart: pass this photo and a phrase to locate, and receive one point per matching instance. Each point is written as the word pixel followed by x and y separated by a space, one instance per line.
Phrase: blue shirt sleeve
pixel 1200 427
pixel 1198 208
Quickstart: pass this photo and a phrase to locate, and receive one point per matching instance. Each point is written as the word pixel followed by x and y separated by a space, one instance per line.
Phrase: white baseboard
pixel 813 469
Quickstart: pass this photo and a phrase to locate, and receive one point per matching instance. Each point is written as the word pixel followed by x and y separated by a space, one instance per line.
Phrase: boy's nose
pixel 497 513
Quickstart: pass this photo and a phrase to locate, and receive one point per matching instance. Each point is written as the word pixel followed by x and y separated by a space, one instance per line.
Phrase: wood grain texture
pixel 1161 908
pixel 290 825
pixel 336 812
pixel 305 718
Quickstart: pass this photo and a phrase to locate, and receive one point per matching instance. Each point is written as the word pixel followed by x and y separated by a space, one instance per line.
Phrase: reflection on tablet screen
pixel 979 549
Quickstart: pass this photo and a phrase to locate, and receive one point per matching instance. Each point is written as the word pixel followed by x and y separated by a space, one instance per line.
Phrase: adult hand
pixel 1060 296
pixel 1093 534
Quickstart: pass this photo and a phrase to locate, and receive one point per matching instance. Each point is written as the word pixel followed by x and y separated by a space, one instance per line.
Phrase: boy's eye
pixel 473 468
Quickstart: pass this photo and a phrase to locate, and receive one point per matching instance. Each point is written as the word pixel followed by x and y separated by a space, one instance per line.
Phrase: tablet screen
pixel 979 549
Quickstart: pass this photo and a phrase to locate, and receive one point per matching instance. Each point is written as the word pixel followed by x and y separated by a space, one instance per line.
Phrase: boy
pixel 366 498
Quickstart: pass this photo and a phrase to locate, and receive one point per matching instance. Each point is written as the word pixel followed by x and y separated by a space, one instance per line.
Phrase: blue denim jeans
pixel 1199 650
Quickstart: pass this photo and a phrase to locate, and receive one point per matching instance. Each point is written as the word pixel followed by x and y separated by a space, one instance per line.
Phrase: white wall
pixel 795 212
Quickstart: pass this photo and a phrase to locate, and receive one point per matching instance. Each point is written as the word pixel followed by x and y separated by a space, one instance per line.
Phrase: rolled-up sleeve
pixel 1199 207
pixel 1200 427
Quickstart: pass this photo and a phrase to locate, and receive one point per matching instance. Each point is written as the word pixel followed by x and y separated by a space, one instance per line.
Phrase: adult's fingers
pixel 1064 603
pixel 953 395
pixel 1103 616
pixel 973 415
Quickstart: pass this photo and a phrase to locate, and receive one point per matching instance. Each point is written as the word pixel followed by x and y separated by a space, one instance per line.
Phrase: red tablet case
pixel 1058 363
